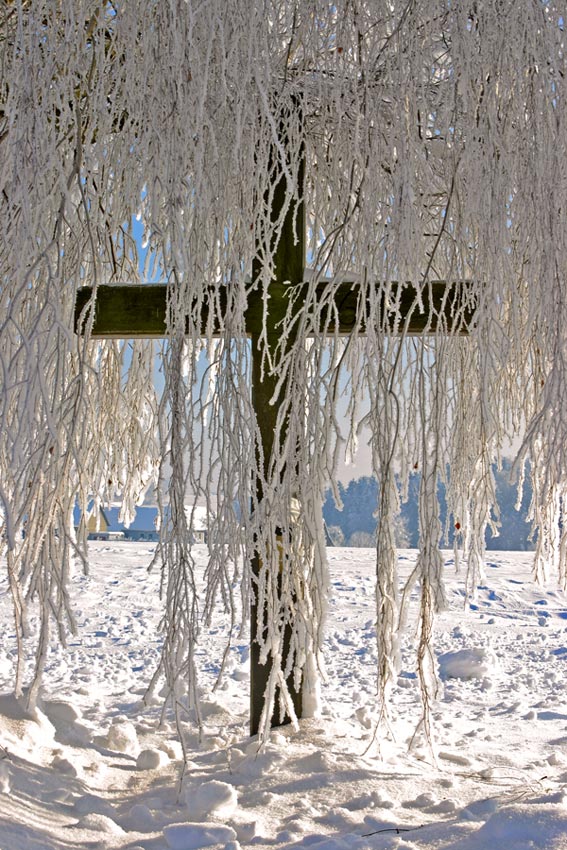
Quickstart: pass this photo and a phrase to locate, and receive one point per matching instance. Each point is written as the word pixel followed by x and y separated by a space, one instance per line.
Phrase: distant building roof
pixel 146 518
pixel 77 514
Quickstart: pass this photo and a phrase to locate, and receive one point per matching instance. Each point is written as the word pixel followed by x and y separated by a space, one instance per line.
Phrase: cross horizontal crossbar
pixel 139 311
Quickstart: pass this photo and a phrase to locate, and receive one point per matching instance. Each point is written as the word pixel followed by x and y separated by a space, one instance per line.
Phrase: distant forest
pixel 356 524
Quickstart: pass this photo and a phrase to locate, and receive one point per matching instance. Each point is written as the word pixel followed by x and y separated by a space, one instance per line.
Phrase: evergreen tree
pixel 357 521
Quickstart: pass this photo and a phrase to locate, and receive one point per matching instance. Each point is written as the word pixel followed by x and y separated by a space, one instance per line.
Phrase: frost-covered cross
pixel 133 311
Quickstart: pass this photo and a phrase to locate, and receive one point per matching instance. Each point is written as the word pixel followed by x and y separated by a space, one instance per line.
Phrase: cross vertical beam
pixel 289 264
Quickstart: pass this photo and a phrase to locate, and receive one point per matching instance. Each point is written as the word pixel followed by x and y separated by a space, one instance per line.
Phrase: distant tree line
pixel 356 524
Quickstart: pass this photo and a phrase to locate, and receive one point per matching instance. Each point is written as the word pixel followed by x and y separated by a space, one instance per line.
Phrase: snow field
pixel 94 766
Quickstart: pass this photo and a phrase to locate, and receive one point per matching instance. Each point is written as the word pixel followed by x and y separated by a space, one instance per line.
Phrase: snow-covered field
pixel 96 769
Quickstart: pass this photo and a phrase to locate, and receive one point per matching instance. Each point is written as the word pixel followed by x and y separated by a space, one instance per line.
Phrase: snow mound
pixel 63 765
pixel 100 823
pixel 61 711
pixel 26 729
pixel 518 827
pixel 172 749
pixel 67 722
pixel 151 759
pixel 474 663
pixel 211 798
pixel 422 801
pixel 123 738
pixel 141 818
pixel 253 764
pixel 193 836
pixel 89 803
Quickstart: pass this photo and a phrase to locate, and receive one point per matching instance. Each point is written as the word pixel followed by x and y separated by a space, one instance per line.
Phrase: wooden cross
pixel 133 311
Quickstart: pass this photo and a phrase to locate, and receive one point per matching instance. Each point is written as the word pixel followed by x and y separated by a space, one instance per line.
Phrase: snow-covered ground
pixel 96 769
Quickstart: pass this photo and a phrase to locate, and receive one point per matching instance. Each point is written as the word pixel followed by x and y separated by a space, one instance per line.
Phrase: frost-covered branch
pixel 145 140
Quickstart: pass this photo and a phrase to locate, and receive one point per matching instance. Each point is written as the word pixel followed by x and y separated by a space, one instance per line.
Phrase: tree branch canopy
pixel 144 142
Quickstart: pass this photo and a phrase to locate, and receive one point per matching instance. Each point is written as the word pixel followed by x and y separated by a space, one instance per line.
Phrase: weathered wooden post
pixel 289 271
